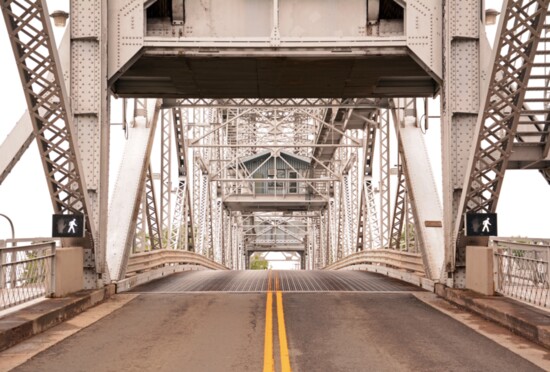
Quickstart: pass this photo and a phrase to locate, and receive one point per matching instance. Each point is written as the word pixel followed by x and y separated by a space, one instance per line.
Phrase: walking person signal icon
pixel 68 226
pixel 481 224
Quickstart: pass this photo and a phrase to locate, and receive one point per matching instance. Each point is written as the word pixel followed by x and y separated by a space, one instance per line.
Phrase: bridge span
pixel 285 126
pixel 276 320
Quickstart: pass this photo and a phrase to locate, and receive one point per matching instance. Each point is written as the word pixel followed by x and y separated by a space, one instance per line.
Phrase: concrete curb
pixel 523 320
pixel 35 319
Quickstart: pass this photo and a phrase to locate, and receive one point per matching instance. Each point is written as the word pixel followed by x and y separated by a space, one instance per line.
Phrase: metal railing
pixel 411 262
pixel 26 272
pixel 145 261
pixel 521 269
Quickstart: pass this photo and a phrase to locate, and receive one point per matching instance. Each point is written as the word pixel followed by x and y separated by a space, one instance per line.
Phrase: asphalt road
pixel 325 331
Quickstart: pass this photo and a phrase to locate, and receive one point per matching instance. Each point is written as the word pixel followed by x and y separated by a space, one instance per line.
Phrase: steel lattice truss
pixel 280 103
pixel 215 139
pixel 151 211
pixel 516 49
pixel 47 100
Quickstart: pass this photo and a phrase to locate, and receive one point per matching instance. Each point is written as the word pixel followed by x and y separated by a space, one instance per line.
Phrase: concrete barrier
pixel 69 271
pixel 479 270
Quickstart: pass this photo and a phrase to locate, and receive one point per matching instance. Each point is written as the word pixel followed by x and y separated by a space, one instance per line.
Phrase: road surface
pixel 282 321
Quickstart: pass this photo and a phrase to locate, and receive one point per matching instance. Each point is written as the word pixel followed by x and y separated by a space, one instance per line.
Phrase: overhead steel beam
pixel 276 103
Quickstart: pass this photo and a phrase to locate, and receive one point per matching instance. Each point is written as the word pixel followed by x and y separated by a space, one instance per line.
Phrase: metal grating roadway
pixel 286 281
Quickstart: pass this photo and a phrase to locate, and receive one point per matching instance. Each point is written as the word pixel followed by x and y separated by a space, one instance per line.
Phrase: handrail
pixel 145 261
pixel 26 272
pixel 522 269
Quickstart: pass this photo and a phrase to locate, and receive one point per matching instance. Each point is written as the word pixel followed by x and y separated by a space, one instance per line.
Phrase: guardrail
pixel 26 272
pixel 521 269
pixel 411 262
pixel 146 261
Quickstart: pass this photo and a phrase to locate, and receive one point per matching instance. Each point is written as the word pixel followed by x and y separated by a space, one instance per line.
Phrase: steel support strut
pixel 520 27
pixel 37 61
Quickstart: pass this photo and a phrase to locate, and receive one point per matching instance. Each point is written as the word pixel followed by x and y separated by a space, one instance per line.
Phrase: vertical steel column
pixel 140 236
pixel 177 234
pixel 368 230
pixel 399 211
pixel 462 74
pixel 347 227
pixel 165 176
pixel 155 237
pixel 183 234
pixel 384 129
pixel 332 230
pixel 90 102
pixel 372 232
pixel 325 242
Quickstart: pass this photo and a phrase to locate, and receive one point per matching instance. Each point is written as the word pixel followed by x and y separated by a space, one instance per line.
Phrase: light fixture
pixel 491 16
pixel 59 18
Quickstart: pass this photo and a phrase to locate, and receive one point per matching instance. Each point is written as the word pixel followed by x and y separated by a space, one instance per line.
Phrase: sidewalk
pixel 522 319
pixel 32 320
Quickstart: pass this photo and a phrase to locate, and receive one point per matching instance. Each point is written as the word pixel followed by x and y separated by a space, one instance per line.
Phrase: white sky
pixel 524 202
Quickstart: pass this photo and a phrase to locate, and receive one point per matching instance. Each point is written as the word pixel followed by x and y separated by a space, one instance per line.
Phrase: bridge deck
pixel 289 281
pixel 185 323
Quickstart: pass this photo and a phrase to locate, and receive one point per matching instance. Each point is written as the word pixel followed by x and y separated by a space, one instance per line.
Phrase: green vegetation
pixel 258 263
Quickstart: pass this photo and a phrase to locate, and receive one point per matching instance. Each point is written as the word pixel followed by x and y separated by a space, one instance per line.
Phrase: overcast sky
pixel 523 207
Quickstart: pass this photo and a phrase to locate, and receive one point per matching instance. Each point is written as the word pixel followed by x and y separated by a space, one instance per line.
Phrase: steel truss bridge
pixel 325 105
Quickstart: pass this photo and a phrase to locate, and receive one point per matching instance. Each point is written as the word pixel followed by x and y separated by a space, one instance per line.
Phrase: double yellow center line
pixel 269 360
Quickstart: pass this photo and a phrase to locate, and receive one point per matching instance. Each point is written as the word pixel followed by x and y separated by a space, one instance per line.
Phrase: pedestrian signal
pixel 68 226
pixel 481 224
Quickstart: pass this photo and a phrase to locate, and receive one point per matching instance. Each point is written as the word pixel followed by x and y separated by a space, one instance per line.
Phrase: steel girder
pixel 140 236
pixel 368 234
pixel 179 228
pixel 281 103
pixel 182 234
pixel 15 145
pixel 166 176
pixel 420 183
pixel 520 27
pixel 130 187
pixel 399 211
pixel 90 102
pixel 465 59
pixel 384 129
pixel 38 64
